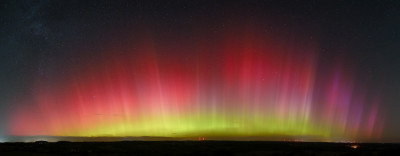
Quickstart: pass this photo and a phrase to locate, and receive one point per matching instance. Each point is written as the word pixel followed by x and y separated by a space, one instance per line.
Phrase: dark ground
pixel 196 148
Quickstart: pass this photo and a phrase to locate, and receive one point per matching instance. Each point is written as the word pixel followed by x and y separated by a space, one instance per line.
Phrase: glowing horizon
pixel 246 85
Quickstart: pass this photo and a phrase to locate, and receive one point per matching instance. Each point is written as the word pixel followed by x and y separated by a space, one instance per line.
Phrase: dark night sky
pixel 43 42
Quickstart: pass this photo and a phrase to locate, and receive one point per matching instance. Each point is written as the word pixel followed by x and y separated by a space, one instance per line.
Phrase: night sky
pixel 313 71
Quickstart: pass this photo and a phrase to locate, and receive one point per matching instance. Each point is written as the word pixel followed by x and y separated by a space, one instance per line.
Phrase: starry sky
pixel 312 70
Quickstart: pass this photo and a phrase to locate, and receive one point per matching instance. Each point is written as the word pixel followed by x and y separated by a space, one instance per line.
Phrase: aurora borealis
pixel 245 78
pixel 253 87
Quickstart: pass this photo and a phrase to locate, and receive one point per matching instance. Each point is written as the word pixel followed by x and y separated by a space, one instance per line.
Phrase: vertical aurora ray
pixel 246 85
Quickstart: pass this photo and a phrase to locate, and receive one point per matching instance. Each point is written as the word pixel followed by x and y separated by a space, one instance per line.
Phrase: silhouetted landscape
pixel 197 148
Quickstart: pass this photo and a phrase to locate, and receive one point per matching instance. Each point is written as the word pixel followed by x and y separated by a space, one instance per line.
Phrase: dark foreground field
pixel 196 148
